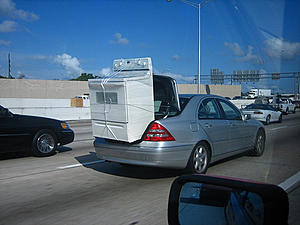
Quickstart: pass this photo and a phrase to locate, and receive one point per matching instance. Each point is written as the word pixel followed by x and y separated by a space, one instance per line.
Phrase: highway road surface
pixel 74 187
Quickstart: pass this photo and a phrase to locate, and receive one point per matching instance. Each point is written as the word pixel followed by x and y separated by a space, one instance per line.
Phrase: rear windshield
pixel 165 97
pixel 264 107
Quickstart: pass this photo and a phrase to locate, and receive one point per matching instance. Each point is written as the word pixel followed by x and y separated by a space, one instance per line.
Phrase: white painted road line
pixel 278 128
pixel 291 183
pixel 79 164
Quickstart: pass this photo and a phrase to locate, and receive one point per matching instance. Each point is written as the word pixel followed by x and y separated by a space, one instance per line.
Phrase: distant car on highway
pixel 39 134
pixel 206 129
pixel 297 103
pixel 286 105
pixel 263 112
pixel 238 97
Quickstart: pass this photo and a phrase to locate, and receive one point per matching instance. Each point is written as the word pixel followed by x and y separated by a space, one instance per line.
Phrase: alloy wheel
pixel 45 143
pixel 200 159
pixel 268 120
pixel 260 143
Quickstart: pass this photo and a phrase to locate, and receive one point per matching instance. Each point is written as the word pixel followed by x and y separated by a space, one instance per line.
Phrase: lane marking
pixel 79 164
pixel 52 170
pixel 291 183
pixel 277 128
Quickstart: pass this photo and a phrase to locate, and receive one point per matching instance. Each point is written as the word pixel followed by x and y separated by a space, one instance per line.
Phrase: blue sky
pixel 59 39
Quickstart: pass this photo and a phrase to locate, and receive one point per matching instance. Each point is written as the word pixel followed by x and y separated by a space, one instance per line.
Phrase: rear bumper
pixel 65 137
pixel 144 154
pixel 261 118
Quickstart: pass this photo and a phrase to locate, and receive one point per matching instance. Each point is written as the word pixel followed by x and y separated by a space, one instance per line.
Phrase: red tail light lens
pixel 157 132
pixel 258 113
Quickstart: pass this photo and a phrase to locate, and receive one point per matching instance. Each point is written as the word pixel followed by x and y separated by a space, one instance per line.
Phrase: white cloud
pixel 242 56
pixel 2 42
pixel 69 63
pixel 278 48
pixel 176 57
pixel 250 57
pixel 178 77
pixel 8 8
pixel 105 71
pixel 119 39
pixel 262 71
pixel 235 48
pixel 8 26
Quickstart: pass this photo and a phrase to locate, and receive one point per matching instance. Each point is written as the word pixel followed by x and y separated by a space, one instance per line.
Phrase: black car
pixel 38 134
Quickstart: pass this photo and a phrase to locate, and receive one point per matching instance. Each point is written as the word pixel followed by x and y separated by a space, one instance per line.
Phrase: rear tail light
pixel 258 113
pixel 158 132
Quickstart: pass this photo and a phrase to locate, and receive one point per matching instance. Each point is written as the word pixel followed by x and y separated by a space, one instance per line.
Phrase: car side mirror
pixel 247 116
pixel 202 199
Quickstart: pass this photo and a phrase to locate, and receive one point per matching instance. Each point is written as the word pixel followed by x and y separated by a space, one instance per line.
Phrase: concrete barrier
pixel 61 108
pixel 52 108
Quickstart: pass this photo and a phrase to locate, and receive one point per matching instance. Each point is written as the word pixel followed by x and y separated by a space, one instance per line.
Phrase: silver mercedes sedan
pixel 207 128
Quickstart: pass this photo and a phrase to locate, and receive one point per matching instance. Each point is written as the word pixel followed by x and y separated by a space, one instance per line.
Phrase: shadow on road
pixel 131 171
pixel 14 155
pixel 231 158
pixel 26 153
pixel 62 149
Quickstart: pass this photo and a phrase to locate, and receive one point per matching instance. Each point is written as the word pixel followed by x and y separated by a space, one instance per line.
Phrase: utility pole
pixel 297 87
pixel 199 52
pixel 198 5
pixel 9 74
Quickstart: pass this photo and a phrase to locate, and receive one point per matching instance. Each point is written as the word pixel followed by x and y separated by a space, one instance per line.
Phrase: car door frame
pixel 239 135
pixel 217 139
pixel 12 135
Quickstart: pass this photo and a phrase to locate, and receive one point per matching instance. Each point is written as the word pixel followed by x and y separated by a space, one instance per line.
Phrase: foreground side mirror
pixel 202 199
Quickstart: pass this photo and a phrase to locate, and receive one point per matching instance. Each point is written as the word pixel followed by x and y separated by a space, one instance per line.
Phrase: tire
pixel 44 143
pixel 268 119
pixel 260 141
pixel 199 159
pixel 280 118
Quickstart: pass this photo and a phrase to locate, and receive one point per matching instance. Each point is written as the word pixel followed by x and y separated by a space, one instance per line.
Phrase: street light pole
pixel 199 52
pixel 199 5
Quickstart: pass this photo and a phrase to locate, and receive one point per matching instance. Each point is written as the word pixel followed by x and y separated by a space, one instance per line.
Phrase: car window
pixel 269 107
pixel 252 106
pixel 230 111
pixel 208 110
pixel 3 112
pixel 183 102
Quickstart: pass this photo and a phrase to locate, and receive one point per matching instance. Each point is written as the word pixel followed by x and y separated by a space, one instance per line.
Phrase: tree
pixel 85 77
pixel 2 77
pixel 21 76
